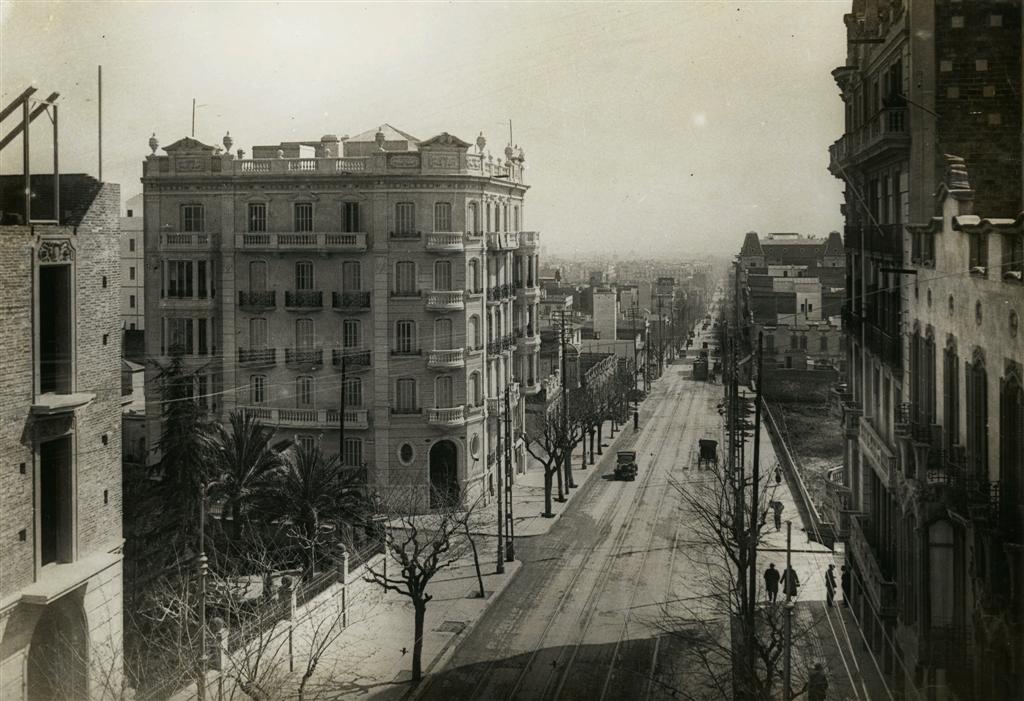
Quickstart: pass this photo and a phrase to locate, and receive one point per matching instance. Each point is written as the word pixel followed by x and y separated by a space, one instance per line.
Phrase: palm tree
pixel 312 492
pixel 242 460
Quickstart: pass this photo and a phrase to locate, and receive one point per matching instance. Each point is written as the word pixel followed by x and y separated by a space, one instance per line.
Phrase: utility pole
pixel 202 567
pixel 787 672
pixel 510 549
pixel 498 459
pixel 565 410
pixel 341 413
pixel 754 493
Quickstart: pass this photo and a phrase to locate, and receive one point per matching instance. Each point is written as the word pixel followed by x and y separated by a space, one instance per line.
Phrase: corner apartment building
pixel 60 439
pixel 376 294
pixel 928 464
pixel 794 294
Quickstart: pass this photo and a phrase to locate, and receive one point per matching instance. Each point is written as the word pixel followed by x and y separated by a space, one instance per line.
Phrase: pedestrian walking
pixel 771 582
pixel 777 508
pixel 790 582
pixel 778 475
pixel 844 582
pixel 817 684
pixel 830 585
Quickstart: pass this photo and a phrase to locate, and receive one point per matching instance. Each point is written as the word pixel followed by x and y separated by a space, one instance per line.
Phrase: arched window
pixel 474 394
pixel 443 275
pixel 487 219
pixel 304 275
pixel 443 339
pixel 977 415
pixel 258 275
pixel 951 395
pixel 352 454
pixel 472 216
pixel 443 392
pixel 405 277
pixel 474 275
pixel 351 333
pixel 351 276
pixel 304 392
pixel 474 332
pixel 1011 432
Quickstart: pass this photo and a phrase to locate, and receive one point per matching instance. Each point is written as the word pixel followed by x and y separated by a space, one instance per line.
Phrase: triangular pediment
pixel 445 140
pixel 189 145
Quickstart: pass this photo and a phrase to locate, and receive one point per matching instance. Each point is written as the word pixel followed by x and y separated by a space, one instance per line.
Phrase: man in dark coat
pixel 790 582
pixel 844 581
pixel 771 582
pixel 830 585
pixel 777 508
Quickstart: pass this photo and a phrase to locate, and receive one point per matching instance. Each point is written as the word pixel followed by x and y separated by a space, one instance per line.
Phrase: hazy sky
pixel 648 127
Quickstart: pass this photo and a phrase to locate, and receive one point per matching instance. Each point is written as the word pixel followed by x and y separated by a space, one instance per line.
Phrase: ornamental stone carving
pixel 404 161
pixel 444 161
pixel 59 251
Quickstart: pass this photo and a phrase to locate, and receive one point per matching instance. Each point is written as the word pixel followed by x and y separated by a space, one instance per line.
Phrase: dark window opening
pixel 350 217
pixel 55 329
pixel 55 501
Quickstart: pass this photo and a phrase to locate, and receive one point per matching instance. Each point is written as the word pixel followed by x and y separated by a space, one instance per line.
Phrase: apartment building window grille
pixel 56 501
pixel 443 275
pixel 442 216
pixel 350 333
pixel 405 277
pixel 977 416
pixel 180 279
pixel 443 393
pixel 405 336
pixel 350 217
pixel 951 395
pixel 192 218
pixel 303 216
pixel 258 275
pixel 443 339
pixel 305 442
pixel 303 391
pixel 304 275
pixel 405 391
pixel 353 392
pixel 257 389
pixel 353 452
pixel 257 217
pixel 351 276
pixel 977 251
pixel 304 333
pixel 405 218
pixel 1013 257
pixel 258 333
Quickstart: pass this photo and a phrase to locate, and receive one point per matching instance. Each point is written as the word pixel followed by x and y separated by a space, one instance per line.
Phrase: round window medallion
pixel 952 306
pixel 474 447
pixel 406 453
pixel 1014 323
pixel 977 312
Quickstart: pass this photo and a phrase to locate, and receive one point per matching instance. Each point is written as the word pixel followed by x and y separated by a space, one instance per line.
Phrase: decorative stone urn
pixel 228 142
pixel 481 142
pixel 153 143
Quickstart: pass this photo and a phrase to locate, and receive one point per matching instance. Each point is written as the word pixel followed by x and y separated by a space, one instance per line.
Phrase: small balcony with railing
pixel 502 240
pixel 446 300
pixel 527 339
pixel 447 417
pixel 257 299
pixel 446 242
pixel 886 134
pixel 354 359
pixel 257 357
pixel 529 240
pixel 185 241
pixel 303 299
pixel 304 357
pixel 350 301
pixel 876 578
pixel 303 241
pixel 446 359
pixel 356 419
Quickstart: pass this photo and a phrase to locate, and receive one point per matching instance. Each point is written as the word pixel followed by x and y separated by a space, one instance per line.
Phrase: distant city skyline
pixel 653 128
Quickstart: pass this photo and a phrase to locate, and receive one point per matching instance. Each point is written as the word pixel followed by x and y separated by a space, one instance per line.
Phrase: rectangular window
pixel 258 333
pixel 977 245
pixel 303 216
pixel 405 399
pixel 405 336
pixel 803 343
pixel 823 344
pixel 353 393
pixel 769 343
pixel 405 277
pixel 131 273
pixel 303 275
pixel 443 275
pixel 257 217
pixel 202 391
pixel 257 389
pixel 304 333
pixel 258 276
pixel 304 392
pixel 131 301
pixel 201 279
pixel 1013 257
pixel 192 218
pixel 179 279
pixel 179 336
pixel 350 333
pixel 353 453
pixel 305 442
pixel 442 216
pixel 793 342
pixel 405 218
pixel 350 217
pixel 131 245
pixel 202 333
pixel 351 276
pixel 55 501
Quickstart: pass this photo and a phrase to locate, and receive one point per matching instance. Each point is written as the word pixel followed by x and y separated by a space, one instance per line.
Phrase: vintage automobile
pixel 707 456
pixel 625 465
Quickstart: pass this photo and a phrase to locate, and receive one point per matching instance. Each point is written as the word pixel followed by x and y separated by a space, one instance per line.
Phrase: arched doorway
pixel 444 474
pixel 58 655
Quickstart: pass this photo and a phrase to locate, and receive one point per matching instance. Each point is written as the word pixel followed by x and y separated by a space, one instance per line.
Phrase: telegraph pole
pixel 754 493
pixel 787 672
pixel 500 567
pixel 341 413
pixel 510 549
pixel 565 410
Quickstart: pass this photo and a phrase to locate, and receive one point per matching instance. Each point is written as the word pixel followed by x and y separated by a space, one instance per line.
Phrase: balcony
pixel 502 240
pixel 301 241
pixel 879 454
pixel 308 418
pixel 448 417
pixel 353 359
pixel 185 241
pixel 257 356
pixel 530 294
pixel 303 299
pixel 527 341
pixel 444 359
pixel 446 242
pixel 500 293
pixel 257 300
pixel 446 300
pixel 885 133
pixel 874 581
pixel 304 357
pixel 350 301
pixel 356 419
pixel 529 239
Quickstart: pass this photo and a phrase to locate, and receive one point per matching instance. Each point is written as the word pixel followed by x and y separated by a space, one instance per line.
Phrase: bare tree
pixel 549 439
pixel 421 545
